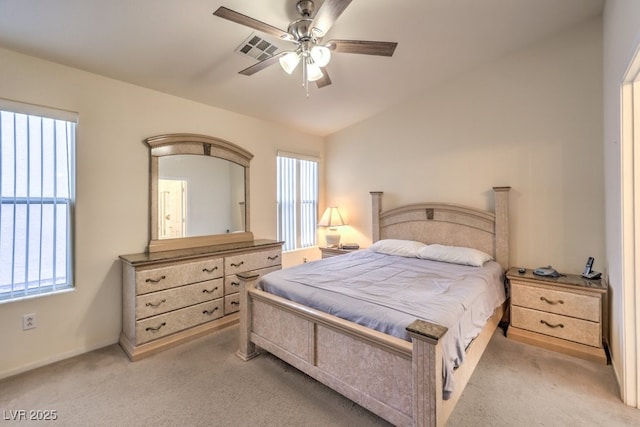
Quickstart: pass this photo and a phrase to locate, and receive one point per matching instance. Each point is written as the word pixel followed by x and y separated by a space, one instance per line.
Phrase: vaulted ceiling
pixel 180 48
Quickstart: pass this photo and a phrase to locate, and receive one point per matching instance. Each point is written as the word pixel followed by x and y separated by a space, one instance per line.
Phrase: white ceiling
pixel 179 47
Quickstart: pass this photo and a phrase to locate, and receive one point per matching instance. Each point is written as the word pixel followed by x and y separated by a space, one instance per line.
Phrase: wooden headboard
pixel 447 224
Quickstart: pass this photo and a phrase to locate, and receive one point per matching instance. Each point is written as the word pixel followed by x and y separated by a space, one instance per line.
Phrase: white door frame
pixel 630 212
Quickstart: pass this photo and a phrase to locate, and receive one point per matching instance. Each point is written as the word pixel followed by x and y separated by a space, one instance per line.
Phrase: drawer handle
pixel 150 304
pixel 155 280
pixel 156 328
pixel 559 325
pixel 207 291
pixel 551 302
pixel 235 303
pixel 210 312
pixel 235 284
pixel 210 270
pixel 237 265
pixel 273 258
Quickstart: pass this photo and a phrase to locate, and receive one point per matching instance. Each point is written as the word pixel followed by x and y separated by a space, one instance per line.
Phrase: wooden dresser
pixel 566 314
pixel 170 297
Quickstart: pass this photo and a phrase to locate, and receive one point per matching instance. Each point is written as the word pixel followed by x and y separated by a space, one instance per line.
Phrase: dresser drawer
pixel 567 328
pixel 556 301
pixel 172 299
pixel 232 283
pixel 252 261
pixel 157 279
pixel 164 324
pixel 231 303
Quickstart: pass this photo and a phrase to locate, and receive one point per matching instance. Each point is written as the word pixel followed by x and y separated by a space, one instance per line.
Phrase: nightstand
pixel 567 314
pixel 328 252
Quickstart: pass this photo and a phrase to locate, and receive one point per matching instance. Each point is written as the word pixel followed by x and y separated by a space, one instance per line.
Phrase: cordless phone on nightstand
pixel 588 273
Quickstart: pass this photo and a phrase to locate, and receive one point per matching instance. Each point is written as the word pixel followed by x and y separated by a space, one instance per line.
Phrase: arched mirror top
pixel 186 143
pixel 199 192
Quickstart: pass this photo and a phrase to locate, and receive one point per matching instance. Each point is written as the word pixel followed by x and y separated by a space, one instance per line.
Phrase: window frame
pixel 17 291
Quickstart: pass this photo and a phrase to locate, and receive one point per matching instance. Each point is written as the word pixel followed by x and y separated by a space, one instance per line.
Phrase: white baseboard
pixel 58 357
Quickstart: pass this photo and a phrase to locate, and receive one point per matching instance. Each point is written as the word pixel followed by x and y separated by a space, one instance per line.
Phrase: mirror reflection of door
pixel 172 206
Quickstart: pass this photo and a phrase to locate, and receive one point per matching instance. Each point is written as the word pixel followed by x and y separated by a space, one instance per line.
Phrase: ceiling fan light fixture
pixel 321 55
pixel 306 33
pixel 313 71
pixel 289 62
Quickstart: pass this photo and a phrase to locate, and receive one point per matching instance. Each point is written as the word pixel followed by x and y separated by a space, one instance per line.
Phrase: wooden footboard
pixel 397 380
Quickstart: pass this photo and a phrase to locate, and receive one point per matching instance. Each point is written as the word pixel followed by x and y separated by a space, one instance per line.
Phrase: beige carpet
pixel 202 383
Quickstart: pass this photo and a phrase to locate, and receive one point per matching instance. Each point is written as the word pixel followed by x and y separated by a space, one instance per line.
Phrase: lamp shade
pixel 289 62
pixel 321 55
pixel 313 71
pixel 331 218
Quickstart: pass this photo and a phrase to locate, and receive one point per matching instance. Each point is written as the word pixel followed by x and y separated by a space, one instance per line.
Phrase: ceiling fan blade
pixel 247 21
pixel 362 47
pixel 262 64
pixel 328 13
pixel 325 80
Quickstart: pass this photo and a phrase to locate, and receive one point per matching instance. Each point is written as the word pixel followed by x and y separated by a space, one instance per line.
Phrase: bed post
pixel 501 195
pixel 376 208
pixel 246 349
pixel 427 373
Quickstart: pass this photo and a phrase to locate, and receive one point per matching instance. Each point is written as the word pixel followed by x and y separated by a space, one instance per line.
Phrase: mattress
pixel 387 293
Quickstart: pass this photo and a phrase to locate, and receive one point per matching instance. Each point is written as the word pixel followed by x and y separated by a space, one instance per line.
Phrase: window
pixel 37 185
pixel 297 200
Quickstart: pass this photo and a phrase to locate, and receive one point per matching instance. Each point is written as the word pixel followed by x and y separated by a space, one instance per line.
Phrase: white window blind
pixel 297 200
pixel 37 185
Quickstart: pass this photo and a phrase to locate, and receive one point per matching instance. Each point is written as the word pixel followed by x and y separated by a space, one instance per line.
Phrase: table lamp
pixel 332 219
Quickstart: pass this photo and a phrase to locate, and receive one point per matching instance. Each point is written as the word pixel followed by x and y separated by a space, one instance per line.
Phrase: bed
pixel 402 375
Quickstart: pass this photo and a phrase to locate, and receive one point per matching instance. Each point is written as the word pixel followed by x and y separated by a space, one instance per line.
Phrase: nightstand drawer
pixel 556 301
pixel 567 328
pixel 331 252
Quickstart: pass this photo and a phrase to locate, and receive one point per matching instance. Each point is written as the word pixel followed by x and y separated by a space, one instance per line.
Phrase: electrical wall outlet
pixel 28 321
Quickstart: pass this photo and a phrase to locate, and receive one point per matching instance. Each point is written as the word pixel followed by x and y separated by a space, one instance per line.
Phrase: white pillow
pixel 455 255
pixel 405 248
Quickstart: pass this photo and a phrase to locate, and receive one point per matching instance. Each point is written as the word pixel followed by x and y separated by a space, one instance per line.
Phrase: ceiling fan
pixel 306 33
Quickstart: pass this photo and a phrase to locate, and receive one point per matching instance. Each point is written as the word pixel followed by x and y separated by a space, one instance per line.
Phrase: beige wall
pixel 532 120
pixel 621 39
pixel 112 195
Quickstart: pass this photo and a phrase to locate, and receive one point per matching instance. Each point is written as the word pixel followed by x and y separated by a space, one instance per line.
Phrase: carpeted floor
pixel 203 383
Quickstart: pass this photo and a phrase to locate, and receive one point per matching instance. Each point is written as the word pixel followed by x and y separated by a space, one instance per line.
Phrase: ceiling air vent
pixel 257 48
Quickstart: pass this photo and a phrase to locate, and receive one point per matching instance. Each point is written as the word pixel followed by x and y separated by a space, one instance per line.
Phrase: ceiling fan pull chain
pixel 305 81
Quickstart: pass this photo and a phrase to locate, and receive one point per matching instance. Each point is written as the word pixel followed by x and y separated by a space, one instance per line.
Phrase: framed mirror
pixel 199 192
